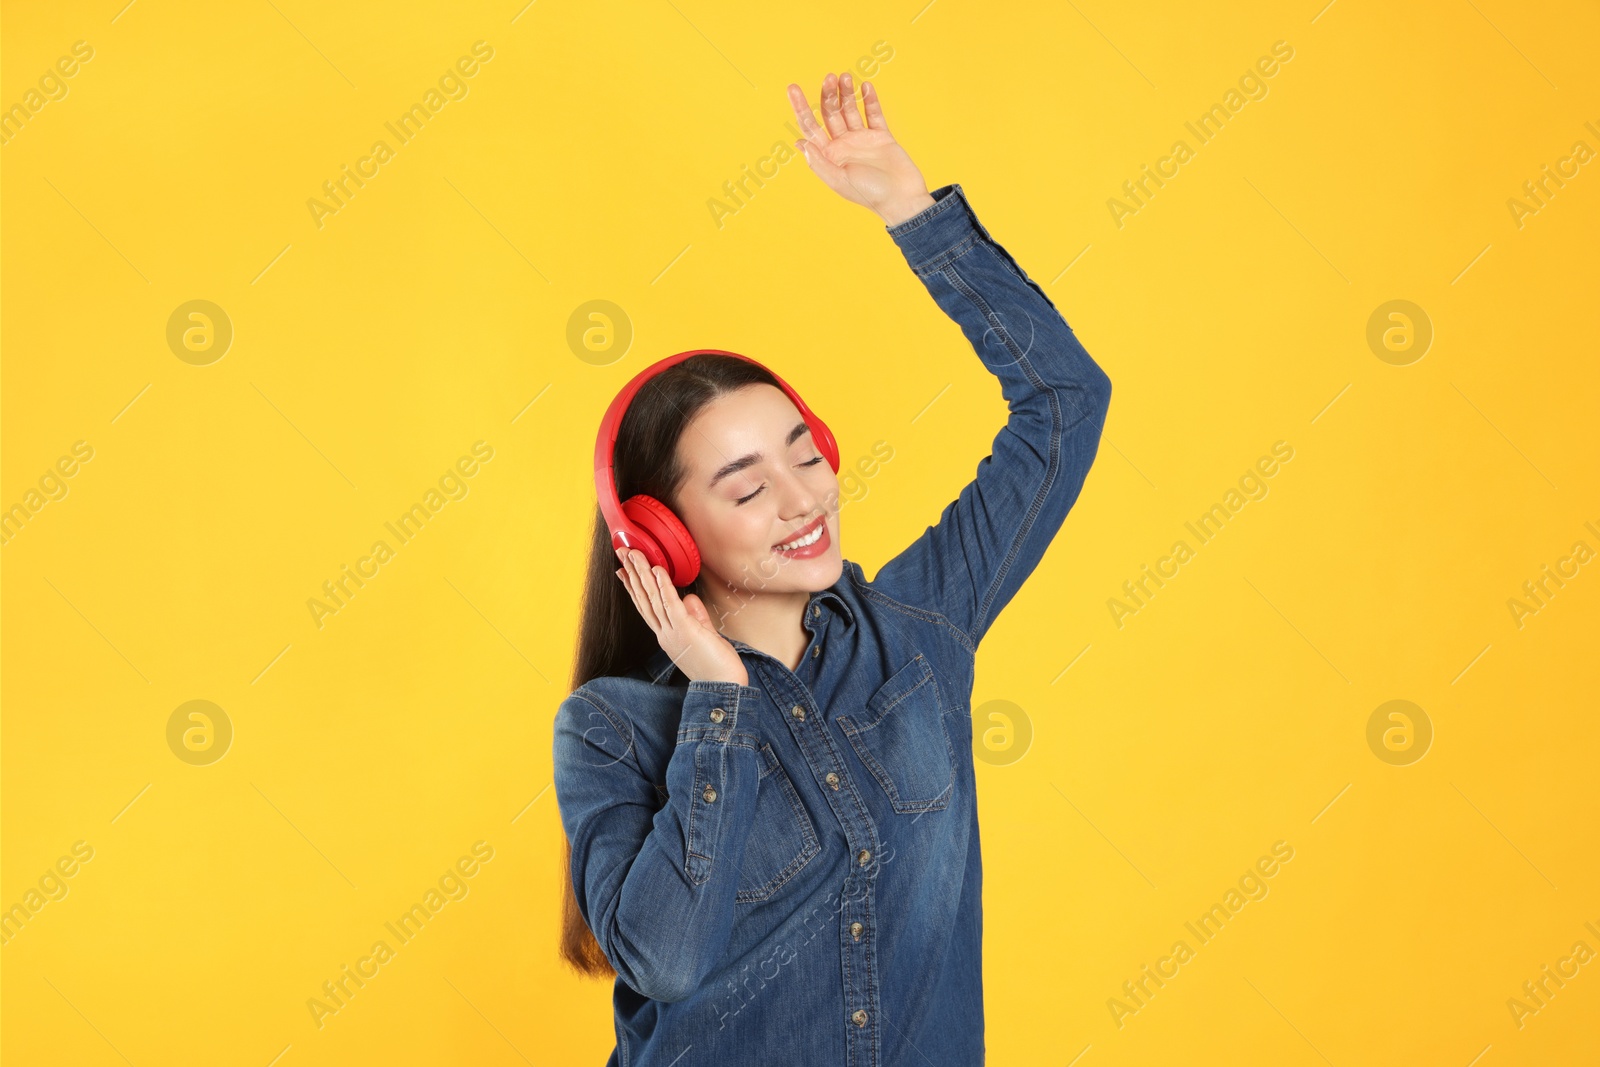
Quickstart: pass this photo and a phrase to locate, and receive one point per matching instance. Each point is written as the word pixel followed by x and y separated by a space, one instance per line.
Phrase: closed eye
pixel 746 499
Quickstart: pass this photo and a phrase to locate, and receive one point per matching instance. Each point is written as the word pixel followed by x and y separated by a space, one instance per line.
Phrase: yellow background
pixel 432 311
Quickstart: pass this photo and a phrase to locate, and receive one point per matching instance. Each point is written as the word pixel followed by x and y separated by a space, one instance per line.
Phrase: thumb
pixel 696 609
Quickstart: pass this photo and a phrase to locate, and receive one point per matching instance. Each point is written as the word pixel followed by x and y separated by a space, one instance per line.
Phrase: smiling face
pixel 757 481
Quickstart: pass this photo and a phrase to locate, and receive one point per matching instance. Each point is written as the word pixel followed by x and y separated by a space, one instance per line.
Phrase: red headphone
pixel 645 523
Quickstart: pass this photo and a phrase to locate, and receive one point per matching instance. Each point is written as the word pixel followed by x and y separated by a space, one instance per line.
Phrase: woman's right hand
pixel 682 626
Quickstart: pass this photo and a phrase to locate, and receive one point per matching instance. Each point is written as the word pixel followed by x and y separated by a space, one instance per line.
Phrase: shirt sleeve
pixel 656 883
pixel 991 537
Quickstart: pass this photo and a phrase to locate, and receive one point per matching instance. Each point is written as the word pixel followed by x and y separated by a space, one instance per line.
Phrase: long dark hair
pixel 613 638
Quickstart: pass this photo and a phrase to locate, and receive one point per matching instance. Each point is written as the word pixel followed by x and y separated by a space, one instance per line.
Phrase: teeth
pixel 809 539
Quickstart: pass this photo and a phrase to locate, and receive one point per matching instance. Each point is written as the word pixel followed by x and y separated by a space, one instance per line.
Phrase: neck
pixel 770 622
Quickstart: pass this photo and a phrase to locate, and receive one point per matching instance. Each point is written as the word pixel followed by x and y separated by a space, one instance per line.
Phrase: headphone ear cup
pixel 668 535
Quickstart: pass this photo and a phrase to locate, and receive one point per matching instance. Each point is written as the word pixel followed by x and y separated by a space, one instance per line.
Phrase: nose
pixel 798 497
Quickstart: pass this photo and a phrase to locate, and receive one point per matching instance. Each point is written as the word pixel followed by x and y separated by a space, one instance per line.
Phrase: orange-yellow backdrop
pixel 174 505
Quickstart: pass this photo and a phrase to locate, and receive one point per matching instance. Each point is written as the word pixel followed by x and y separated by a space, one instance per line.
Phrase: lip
pixel 805 531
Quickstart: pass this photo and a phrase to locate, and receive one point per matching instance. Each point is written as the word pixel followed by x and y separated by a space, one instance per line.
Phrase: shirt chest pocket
pixel 783 839
pixel 901 739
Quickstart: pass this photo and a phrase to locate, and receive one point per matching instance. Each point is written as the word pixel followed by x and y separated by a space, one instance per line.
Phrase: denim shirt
pixel 788 872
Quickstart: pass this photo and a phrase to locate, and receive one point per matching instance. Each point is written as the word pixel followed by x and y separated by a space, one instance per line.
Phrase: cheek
pixel 736 531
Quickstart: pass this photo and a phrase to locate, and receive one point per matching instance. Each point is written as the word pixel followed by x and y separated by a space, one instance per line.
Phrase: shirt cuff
pixel 938 229
pixel 714 710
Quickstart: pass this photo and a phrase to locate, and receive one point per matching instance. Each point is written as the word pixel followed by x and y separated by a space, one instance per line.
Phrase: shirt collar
pixel 660 665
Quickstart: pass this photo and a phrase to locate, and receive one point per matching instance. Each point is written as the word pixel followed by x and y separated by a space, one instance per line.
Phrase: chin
pixel 774 575
pixel 823 572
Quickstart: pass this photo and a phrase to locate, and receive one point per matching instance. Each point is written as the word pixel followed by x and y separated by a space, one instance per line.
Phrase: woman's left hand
pixel 861 161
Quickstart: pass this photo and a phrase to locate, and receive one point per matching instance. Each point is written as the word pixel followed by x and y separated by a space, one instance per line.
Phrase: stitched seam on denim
pixel 873 766
pixel 688 835
pixel 940 262
pixel 908 609
pixel 619 723
pixel 929 213
pixel 884 709
pixel 1054 463
pixel 881 773
pixel 809 846
pixel 703 732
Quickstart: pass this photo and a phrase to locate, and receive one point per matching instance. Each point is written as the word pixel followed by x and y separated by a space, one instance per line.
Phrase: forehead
pixel 753 418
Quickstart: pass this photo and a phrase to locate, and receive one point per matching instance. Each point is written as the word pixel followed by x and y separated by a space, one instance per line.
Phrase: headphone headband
pixel 644 523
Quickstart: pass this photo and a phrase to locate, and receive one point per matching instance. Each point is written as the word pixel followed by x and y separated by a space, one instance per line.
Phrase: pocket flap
pixel 901 684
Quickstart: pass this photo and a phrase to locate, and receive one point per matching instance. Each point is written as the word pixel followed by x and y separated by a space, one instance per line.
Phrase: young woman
pixel 766 780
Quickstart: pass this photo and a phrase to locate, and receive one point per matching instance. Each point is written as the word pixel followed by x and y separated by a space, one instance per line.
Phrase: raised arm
pixel 992 536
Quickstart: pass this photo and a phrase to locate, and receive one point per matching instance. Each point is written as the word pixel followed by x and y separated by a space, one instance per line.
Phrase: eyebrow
pixel 799 431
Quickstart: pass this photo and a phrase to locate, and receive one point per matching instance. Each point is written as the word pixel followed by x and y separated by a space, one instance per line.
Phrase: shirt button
pixel 717 714
pixel 855 931
pixel 859 1017
pixel 710 794
pixel 816 609
pixel 816 650
pixel 798 712
pixel 863 857
pixel 833 779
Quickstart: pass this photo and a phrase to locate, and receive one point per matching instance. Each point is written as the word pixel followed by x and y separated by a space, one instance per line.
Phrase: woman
pixel 766 783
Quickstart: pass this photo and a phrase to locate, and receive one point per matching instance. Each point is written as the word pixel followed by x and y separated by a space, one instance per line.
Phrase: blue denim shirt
pixel 788 872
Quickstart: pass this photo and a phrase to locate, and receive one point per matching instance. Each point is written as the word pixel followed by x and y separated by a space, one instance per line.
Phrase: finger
pixel 670 600
pixel 869 100
pixel 640 599
pixel 652 589
pixel 802 111
pixel 815 134
pixel 830 107
pixel 847 95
